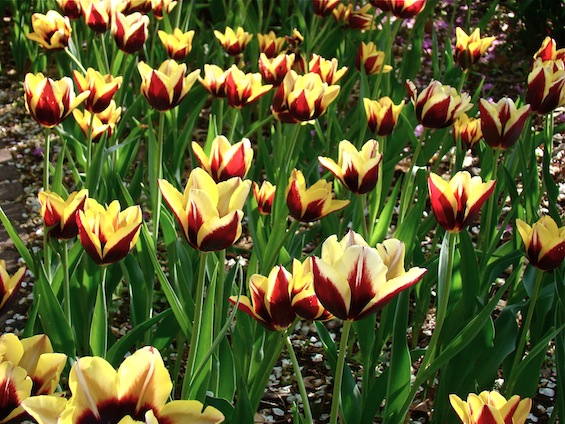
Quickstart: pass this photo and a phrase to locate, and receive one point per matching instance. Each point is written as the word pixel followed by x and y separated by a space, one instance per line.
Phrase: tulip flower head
pixel 131 6
pixel 468 130
pixel 102 123
pixel 130 32
pixel 97 14
pixel 361 19
pixel 274 70
pixel 208 213
pixel 70 8
pixel 243 89
pixel 470 48
pixel 502 122
pixel 49 101
pixel 159 7
pixel 357 170
pixel 491 407
pixel 400 8
pixel 371 59
pixel 264 196
pixel 51 31
pixel 544 242
pixel 304 300
pixel 456 203
pixel 108 234
pixel 327 69
pixel 546 86
pixel 9 286
pixel 233 42
pixel 166 87
pixel 352 279
pixel 341 12
pixel 214 80
pixel 139 389
pixel 310 204
pixel 549 51
pixel 324 7
pixel 382 115
pixel 225 161
pixel 101 89
pixel 438 105
pixel 270 45
pixel 59 215
pixel 178 44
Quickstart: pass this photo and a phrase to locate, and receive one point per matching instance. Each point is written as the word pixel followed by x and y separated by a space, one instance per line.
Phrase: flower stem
pixel 66 282
pixel 220 291
pixel 338 378
pixel 525 329
pixel 75 60
pixel 407 190
pixel 46 247
pixel 299 379
pixel 158 166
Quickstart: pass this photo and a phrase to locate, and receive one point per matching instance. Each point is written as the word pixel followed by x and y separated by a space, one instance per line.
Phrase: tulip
pixel 242 88
pixel 214 80
pixel 357 170
pixel 491 407
pixel 405 9
pixel 544 242
pixel 108 234
pixel 351 279
pixel 549 51
pixel 456 204
pixel 101 88
pixel 304 302
pixel 9 286
pixel 469 48
pixel 70 8
pixel 178 44
pixel 382 114
pixel 274 70
pixel 438 105
pixel 233 42
pixel 371 59
pixel 139 389
pixel 102 123
pixel 51 31
pixel 225 161
pixel 50 101
pixel 97 14
pixel 60 215
pixel 327 69
pixel 341 12
pixel 166 87
pixel 468 130
pixel 130 32
pixel 269 44
pixel 324 7
pixel 546 86
pixel 264 196
pixel 130 6
pixel 303 98
pixel 270 300
pixel 502 122
pixel 360 18
pixel 313 203
pixel 158 6
pixel 109 116
pixel 209 213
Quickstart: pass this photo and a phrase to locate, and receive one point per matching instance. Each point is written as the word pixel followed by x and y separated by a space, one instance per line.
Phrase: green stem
pixel 158 165
pixel 487 235
pixel 338 378
pixel 525 329
pixel 46 165
pixel 89 152
pixel 299 379
pixel 46 161
pixel 220 291
pixel 361 203
pixel 194 337
pixel 234 124
pixel 75 60
pixel 407 190
pixel 66 282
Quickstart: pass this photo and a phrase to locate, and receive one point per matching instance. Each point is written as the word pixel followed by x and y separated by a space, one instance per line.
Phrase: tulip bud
pixel 502 122
pixel 468 130
pixel 405 9
pixel 264 196
pixel 544 243
pixel 51 31
pixel 371 59
pixel 469 48
pixel 382 115
pixel 178 44
pixel 327 69
pixel 101 89
pixel 60 215
pixel 225 161
pixel 130 32
pixel 233 42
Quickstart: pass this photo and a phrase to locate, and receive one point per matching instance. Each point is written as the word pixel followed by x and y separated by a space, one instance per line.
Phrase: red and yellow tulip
pixel 225 161
pixel 60 215
pixel 371 59
pixel 549 51
pixel 97 14
pixel 159 7
pixel 312 203
pixel 304 302
pixel 274 70
pixel 470 48
pixel 130 6
pixel 357 170
pixel 270 45
pixel 242 88
pixel 468 130
pixel 491 407
pixel 137 391
pixel 102 123
pixel 382 115
pixel 101 88
pixel 324 7
pixel 327 69
pixel 178 44
pixel 353 280
pixel 208 213
pixel 502 122
pixel 108 234
pixel 130 32
pixel 546 86
pixel 544 242
pixel 400 8
pixel 50 101
pixel 264 196
pixel 166 87
pixel 456 203
pixel 70 8
pixel 214 80
pixel 438 105
pixel 233 42
pixel 362 19
pixel 9 286
pixel 51 31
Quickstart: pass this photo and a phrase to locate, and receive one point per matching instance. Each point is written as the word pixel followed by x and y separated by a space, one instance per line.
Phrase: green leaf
pixel 18 243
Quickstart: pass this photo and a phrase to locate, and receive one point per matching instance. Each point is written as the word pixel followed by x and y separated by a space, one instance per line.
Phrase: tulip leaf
pixel 18 243
pixel 137 289
pixel 385 217
pixel 99 326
